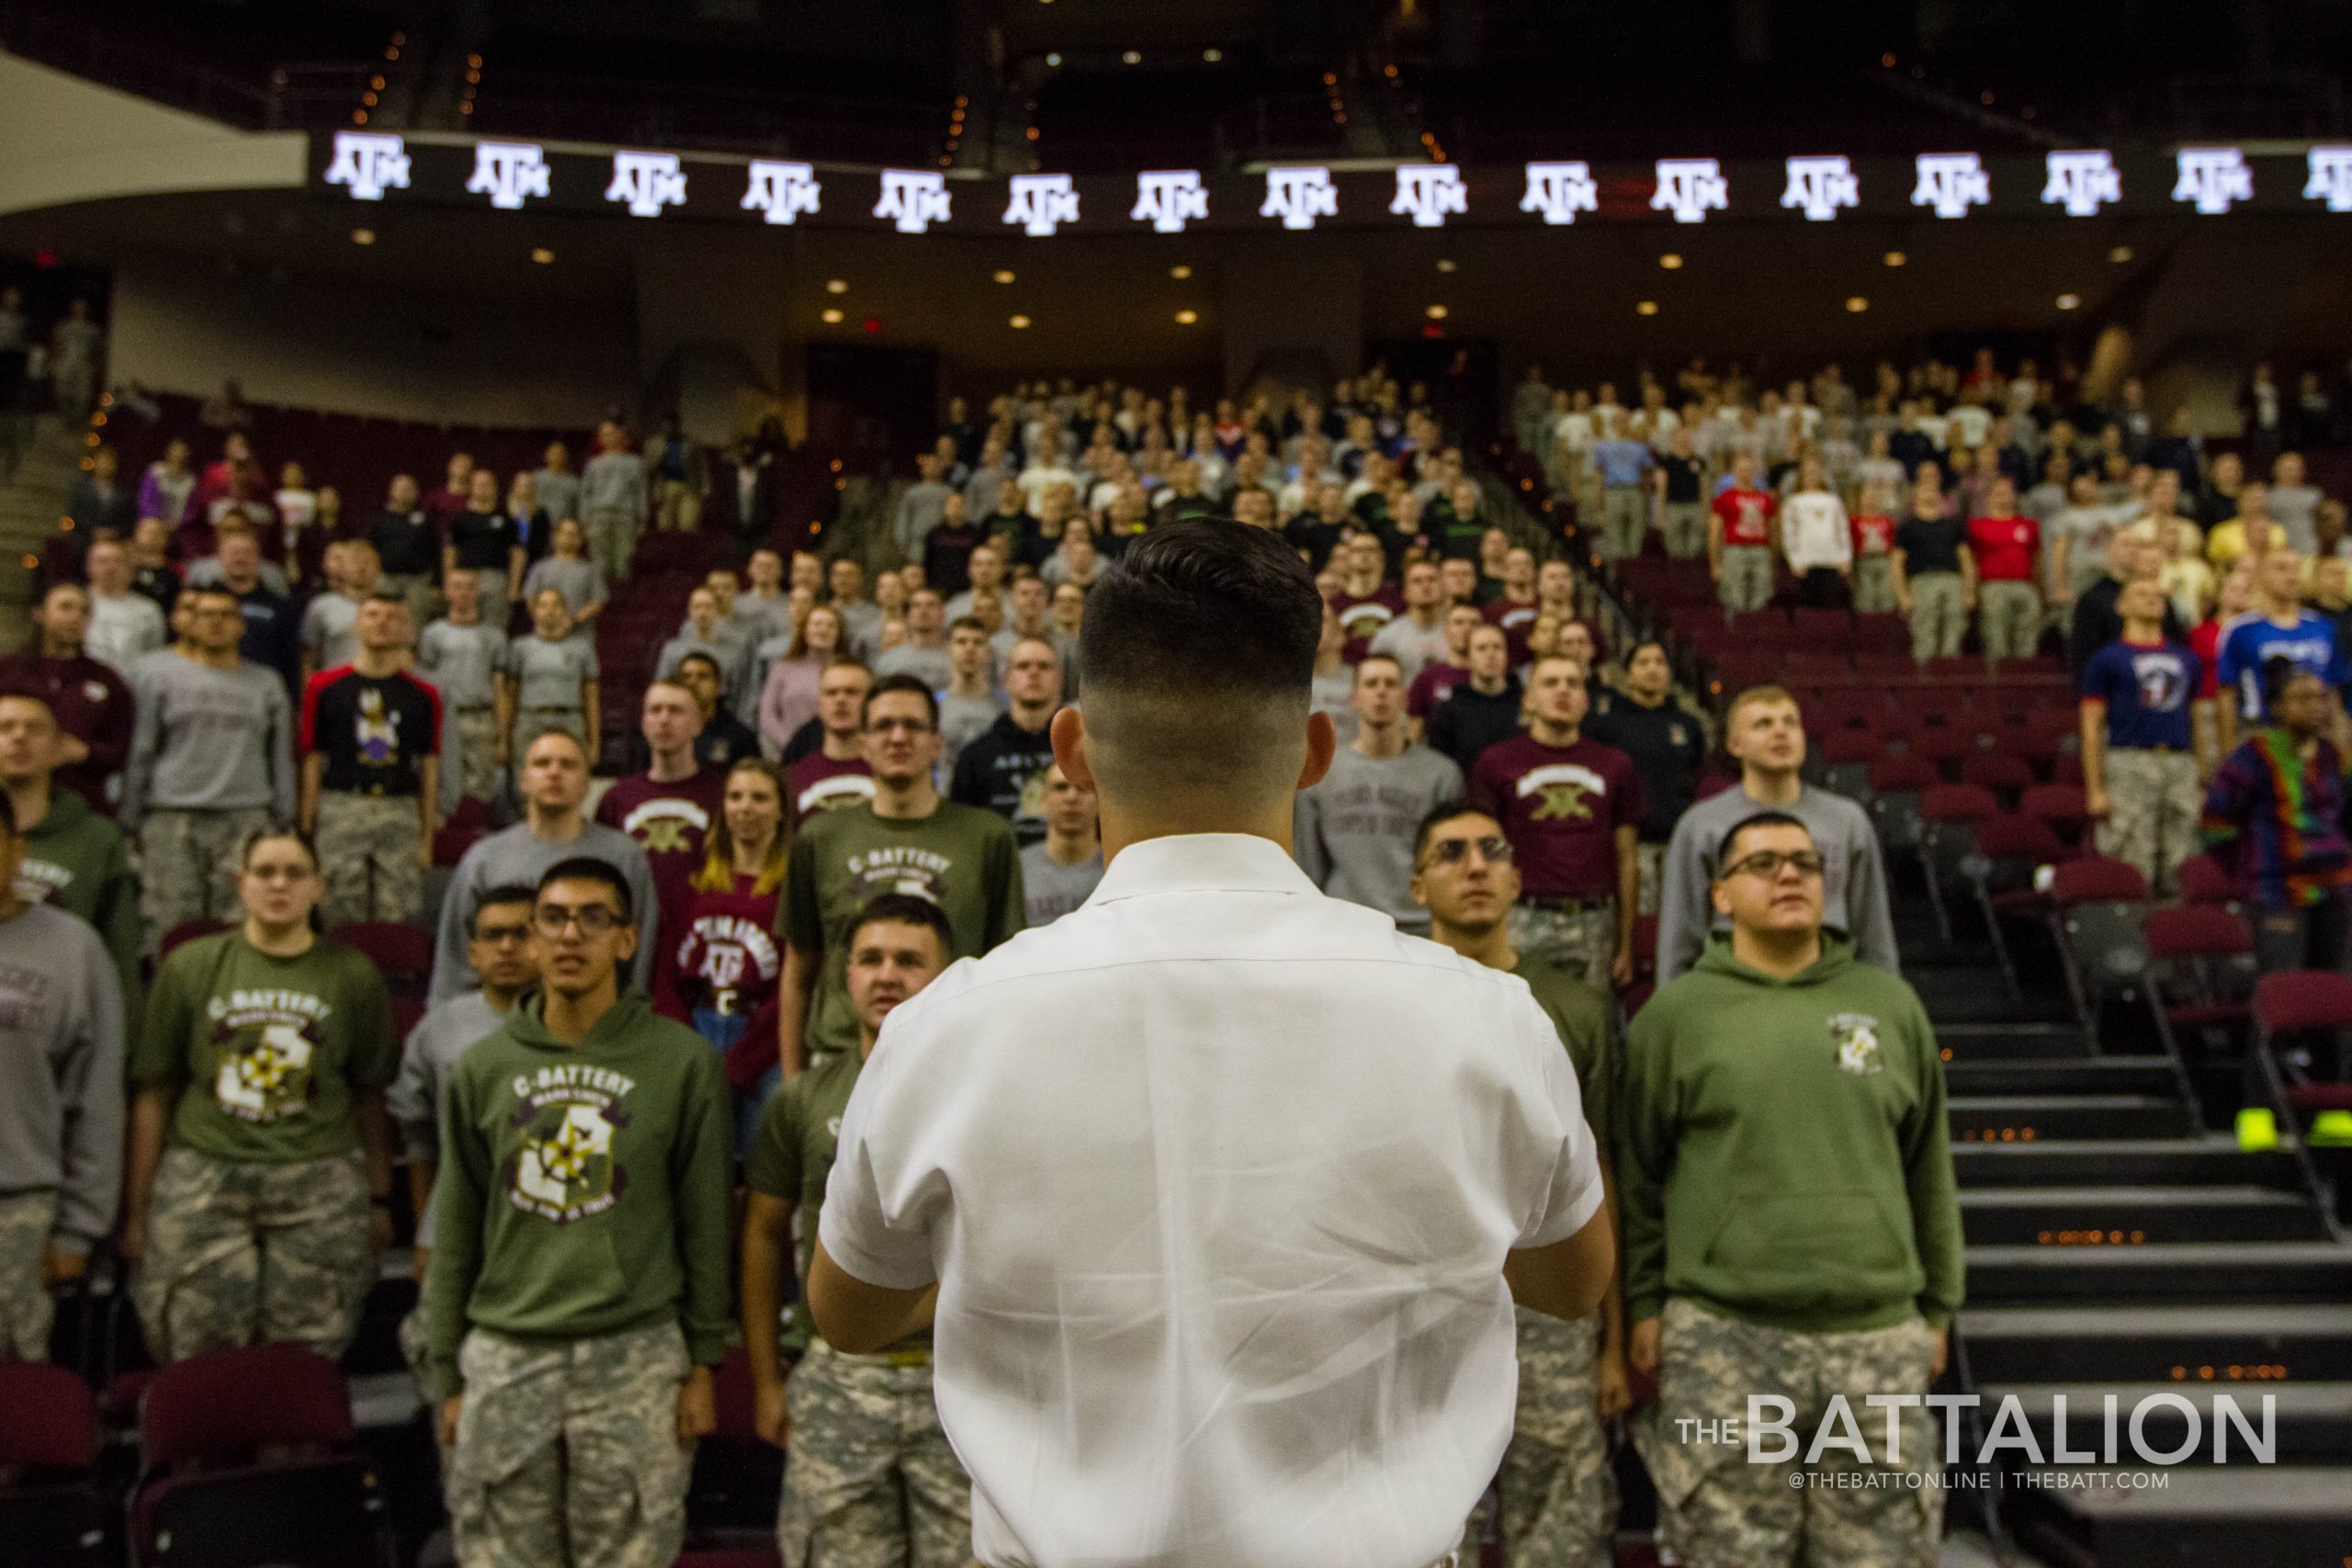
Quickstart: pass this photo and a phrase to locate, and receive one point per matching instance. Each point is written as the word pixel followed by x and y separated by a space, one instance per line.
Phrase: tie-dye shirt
pixel 2283 814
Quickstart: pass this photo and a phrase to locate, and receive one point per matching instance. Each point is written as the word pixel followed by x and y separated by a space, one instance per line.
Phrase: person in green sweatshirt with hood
pixel 1790 1229
pixel 74 859
pixel 577 1298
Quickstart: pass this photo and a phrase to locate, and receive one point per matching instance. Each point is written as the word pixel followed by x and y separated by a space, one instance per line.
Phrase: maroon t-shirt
pixel 1560 807
pixel 1362 616
pixel 671 822
pixel 91 704
pixel 816 782
pixel 728 957
pixel 1517 620
pixel 1432 686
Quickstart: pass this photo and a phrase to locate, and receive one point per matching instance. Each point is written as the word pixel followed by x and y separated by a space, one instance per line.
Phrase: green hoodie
pixel 1783 1153
pixel 75 861
pixel 584 1189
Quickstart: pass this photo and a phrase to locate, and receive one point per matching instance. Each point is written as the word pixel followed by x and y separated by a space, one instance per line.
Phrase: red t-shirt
pixel 816 782
pixel 1362 616
pixel 1874 535
pixel 2005 548
pixel 1432 686
pixel 2205 641
pixel 1746 515
pixel 1560 807
pixel 726 955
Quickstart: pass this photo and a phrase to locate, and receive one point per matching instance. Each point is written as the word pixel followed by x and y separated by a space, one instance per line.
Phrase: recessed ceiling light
pixel 543 256
pixel 1856 304
pixel 1670 260
pixel 2069 302
pixel 1447 263
pixel 1053 60
pixel 836 286
pixel 1895 258
pixel 363 236
pixel 1211 55
pixel 1186 318
pixel 1435 313
pixel 1132 57
pixel 1002 274
pixel 1646 308
pixel 2120 254
pixel 1180 272
pixel 1019 323
pixel 831 318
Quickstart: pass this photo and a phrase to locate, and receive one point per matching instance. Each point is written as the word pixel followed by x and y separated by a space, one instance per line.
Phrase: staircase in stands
pixel 32 500
pixel 2118 1248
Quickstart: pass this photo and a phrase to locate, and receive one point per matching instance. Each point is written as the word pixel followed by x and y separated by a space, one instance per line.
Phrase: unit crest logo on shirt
pixel 563 1168
pixel 1855 1036
pixel 1567 788
pixel 267 1040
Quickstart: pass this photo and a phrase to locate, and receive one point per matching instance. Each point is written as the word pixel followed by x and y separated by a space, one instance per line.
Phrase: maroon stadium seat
pixel 403 953
pixel 52 1508
pixel 2202 881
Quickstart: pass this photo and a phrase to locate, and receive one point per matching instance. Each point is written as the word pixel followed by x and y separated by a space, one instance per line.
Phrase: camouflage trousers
pixel 532 723
pixel 1720 1510
pixel 1558 1489
pixel 1684 524
pixel 2008 618
pixel 568 1453
pixel 612 539
pixel 1938 619
pixel 25 1310
pixel 477 753
pixel 1748 576
pixel 187 867
pixel 367 847
pixel 872 1483
pixel 1582 942
pixel 2154 824
pixel 1873 585
pixel 1625 519
pixel 1649 870
pixel 241 1253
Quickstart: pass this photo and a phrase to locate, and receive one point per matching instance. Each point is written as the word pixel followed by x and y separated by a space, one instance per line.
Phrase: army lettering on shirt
pixel 563 1169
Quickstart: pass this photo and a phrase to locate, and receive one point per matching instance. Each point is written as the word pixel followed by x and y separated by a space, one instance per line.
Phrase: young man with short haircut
pixel 576 1301
pixel 724 739
pixel 1060 871
pixel 1003 770
pixel 1572 809
pixel 2143 768
pixel 1791 1228
pixel 96 716
pixel 1764 733
pixel 125 624
pixel 371 773
pixel 1668 746
pixel 1438 677
pixel 835 774
pixel 1483 709
pixel 1353 829
pixel 1418 636
pixel 1559 1492
pixel 73 859
pixel 872 1477
pixel 460 654
pixel 970 704
pixel 1743 538
pixel 2278 627
pixel 906 839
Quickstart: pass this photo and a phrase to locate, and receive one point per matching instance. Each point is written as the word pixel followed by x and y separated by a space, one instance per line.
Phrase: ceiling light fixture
pixel 1895 258
pixel 1211 55
pixel 1132 57
pixel 1447 263
pixel 1180 272
pixel 1019 323
pixel 1186 318
pixel 831 318
pixel 543 256
pixel 2120 254
pixel 1671 262
pixel 2069 302
pixel 1002 274
pixel 1435 313
pixel 363 236
pixel 836 286
pixel 1646 307
pixel 1856 304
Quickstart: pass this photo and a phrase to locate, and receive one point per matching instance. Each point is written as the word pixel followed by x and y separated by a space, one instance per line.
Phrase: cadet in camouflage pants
pixel 478 752
pixel 367 853
pixel 1721 1511
pixel 2155 801
pixel 568 1452
pixel 862 1428
pixel 1582 942
pixel 1558 1489
pixel 26 1221
pixel 245 1253
pixel 187 865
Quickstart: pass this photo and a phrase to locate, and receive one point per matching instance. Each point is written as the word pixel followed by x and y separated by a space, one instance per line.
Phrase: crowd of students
pixel 838 790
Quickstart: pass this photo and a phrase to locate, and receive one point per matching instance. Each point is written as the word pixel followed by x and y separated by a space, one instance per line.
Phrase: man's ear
pixel 1322 744
pixel 1068 733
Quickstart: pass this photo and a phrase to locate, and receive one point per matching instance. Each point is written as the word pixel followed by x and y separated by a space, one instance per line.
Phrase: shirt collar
pixel 1201 862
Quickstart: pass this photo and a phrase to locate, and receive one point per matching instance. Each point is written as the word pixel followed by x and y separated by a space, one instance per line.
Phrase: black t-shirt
pixel 807 739
pixel 1929 543
pixel 1004 771
pixel 483 540
pixel 1667 747
pixel 407 543
pixel 1317 538
pixel 1471 721
pixel 373 730
pixel 273 633
pixel 1682 477
pixel 947 556
pixel 724 741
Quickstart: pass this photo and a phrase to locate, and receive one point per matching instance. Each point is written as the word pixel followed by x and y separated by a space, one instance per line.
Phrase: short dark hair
pixel 7 815
pixel 2278 672
pixel 905 910
pixel 1439 815
pixel 1199 651
pixel 901 683
pixel 1754 819
pixel 1379 659
pixel 392 596
pixel 507 893
pixel 588 868
pixel 698 656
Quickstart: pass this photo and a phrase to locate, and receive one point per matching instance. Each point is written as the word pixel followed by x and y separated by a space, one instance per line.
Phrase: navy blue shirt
pixel 2147 688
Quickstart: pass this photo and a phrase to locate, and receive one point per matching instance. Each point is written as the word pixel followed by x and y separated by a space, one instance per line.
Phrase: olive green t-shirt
pixel 961 858
pixel 791 1156
pixel 1580 1016
pixel 265 1054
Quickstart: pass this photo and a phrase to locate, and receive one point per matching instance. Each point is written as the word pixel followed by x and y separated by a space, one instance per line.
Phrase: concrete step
pixel 2117 1342
pixel 2243 1515
pixel 2134 1216
pixel 1977 1042
pixel 2205 1161
pixel 2026 1118
pixel 2062 1074
pixel 2308 1423
pixel 2279 1272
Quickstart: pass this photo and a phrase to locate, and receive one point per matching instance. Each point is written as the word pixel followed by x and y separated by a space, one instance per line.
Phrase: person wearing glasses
pixel 553 784
pixel 1558 1488
pixel 1791 1225
pixel 906 839
pixel 259 1179
pixel 577 1298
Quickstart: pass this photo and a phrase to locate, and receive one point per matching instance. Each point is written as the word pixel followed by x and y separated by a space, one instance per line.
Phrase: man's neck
pixel 673 767
pixel 2144 632
pixel 1071 848
pixel 973 684
pixel 1491 947
pixel 1771 788
pixel 1379 741
pixel 553 825
pixel 30 795
pixel 1360 587
pixel 53 648
pixel 1428 616
pixel 1653 700
pixel 471 617
pixel 1031 716
pixel 211 658
pixel 1782 956
pixel 844 746
pixel 2285 615
pixel 378 662
pixel 498 997
pixel 917 797
pixel 571 1018
pixel 1543 732
pixel 1491 686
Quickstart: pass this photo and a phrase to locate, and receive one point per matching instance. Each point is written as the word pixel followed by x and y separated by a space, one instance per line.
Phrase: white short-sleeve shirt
pixel 1217 1176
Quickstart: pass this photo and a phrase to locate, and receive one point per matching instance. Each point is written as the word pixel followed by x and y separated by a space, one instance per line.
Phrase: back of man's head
pixel 1199 653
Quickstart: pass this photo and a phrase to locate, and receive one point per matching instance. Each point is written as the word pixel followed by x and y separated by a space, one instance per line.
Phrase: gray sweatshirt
pixel 613 481
pixel 512 856
pixel 61 1072
pixel 428 1059
pixel 559 493
pixel 209 740
pixel 1854 874
pixel 1355 830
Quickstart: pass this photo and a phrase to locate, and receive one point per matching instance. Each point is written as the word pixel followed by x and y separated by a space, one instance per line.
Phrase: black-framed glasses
pixel 594 919
pixel 499 936
pixel 1492 846
pixel 1768 863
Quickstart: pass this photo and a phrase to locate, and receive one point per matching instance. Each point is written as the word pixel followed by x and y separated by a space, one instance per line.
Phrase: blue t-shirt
pixel 1620 462
pixel 2251 640
pixel 2147 688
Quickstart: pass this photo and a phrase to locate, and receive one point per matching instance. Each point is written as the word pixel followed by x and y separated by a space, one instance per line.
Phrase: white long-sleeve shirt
pixel 1813 531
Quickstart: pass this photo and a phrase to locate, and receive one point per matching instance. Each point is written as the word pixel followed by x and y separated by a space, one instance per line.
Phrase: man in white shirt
pixel 125 624
pixel 1219 1192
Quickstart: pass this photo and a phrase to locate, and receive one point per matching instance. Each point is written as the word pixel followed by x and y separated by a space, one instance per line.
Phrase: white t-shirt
pixel 1217 1176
